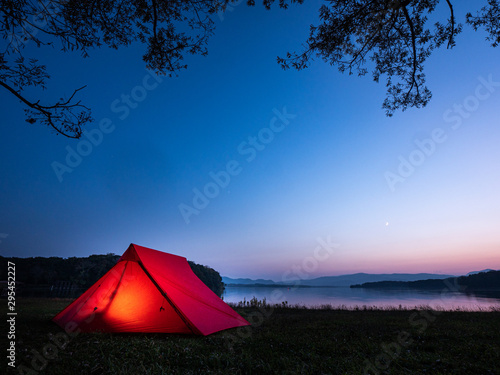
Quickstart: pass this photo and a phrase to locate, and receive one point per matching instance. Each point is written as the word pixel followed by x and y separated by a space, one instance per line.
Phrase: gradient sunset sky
pixel 323 167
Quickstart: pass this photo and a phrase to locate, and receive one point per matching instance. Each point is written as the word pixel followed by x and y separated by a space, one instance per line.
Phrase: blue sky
pixel 324 174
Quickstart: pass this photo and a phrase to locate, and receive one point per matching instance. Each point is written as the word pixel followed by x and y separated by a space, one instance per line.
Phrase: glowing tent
pixel 149 291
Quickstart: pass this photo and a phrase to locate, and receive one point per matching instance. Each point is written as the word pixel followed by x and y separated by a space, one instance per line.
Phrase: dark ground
pixel 280 341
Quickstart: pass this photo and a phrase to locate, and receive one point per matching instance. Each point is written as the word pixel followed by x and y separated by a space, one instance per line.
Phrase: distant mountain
pixel 229 281
pixel 343 280
pixel 357 278
pixel 474 281
pixel 476 272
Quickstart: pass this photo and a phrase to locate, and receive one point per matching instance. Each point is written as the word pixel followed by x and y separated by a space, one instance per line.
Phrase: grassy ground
pixel 280 341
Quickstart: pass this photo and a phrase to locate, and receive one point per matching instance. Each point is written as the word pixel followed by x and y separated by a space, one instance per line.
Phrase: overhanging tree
pixel 169 30
pixel 394 35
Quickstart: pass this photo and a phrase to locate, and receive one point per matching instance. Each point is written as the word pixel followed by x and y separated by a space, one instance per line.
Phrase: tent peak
pixel 136 252
pixel 130 254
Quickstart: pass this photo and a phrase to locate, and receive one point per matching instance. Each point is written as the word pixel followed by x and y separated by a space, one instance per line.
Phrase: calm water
pixel 359 297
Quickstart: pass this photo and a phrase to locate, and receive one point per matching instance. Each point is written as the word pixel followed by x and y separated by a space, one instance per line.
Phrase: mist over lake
pixel 352 297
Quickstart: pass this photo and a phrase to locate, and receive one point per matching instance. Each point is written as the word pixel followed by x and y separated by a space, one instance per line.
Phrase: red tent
pixel 149 291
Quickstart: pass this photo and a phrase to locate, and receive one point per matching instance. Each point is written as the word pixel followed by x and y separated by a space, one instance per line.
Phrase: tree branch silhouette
pixel 391 38
pixel 392 34
pixel 169 29
pixel 60 116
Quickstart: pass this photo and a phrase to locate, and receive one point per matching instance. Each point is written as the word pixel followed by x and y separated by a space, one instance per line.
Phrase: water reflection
pixel 349 297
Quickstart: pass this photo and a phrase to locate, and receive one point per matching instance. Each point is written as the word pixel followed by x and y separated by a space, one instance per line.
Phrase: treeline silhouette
pixel 480 281
pixel 44 277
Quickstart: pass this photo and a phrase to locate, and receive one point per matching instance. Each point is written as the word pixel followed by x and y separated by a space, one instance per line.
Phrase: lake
pixel 352 297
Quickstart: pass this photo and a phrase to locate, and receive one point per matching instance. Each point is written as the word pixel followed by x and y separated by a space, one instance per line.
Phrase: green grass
pixel 280 341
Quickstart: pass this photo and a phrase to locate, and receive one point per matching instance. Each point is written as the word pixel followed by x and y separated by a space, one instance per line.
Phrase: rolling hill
pixel 339 281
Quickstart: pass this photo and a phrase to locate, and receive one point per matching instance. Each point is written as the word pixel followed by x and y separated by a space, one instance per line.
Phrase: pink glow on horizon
pixel 451 262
